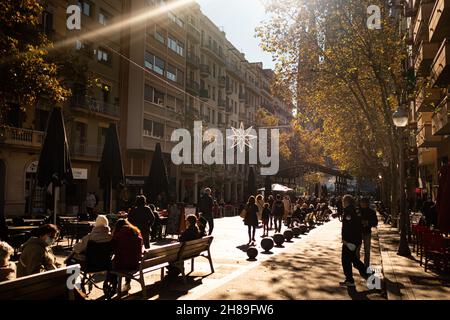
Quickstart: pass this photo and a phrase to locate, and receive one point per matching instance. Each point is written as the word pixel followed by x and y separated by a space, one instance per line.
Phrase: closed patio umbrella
pixel 157 181
pixel 54 161
pixel 110 171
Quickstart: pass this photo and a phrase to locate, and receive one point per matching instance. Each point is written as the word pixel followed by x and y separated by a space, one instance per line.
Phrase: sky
pixel 239 18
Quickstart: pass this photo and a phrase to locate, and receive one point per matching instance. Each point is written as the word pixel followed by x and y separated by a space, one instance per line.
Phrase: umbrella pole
pixel 55 202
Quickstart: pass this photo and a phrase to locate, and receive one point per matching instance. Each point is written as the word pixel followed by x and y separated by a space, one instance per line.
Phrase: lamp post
pixel 400 119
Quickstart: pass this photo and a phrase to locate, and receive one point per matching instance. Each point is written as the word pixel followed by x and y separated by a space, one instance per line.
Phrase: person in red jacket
pixel 127 248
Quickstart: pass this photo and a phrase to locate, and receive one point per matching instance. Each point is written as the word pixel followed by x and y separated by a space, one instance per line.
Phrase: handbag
pixel 243 214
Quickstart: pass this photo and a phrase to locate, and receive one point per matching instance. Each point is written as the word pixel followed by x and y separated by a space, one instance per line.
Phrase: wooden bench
pixel 160 258
pixel 50 285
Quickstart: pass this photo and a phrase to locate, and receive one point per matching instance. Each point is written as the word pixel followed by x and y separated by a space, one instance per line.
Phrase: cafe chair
pixel 98 260
pixel 435 250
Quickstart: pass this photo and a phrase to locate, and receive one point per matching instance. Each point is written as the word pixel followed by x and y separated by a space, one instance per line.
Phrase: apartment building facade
pixel 91 71
pixel 150 77
pixel 429 34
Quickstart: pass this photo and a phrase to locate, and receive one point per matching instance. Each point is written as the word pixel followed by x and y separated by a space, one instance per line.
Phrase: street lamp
pixel 400 119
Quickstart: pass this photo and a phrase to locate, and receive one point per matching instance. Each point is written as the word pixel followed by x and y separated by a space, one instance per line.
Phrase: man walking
pixel 369 220
pixel 205 207
pixel 351 241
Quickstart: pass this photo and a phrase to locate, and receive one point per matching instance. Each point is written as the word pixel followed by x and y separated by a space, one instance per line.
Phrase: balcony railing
pixel 221 103
pixel 242 97
pixel 427 99
pixel 440 68
pixel 439 25
pixel 425 138
pixel 193 32
pixel 193 86
pixel 21 137
pixel 83 102
pixel 421 22
pixel 234 70
pixel 80 149
pixel 425 56
pixel 193 59
pixel 208 47
pixel 204 94
pixel 222 82
pixel 441 123
pixel 204 70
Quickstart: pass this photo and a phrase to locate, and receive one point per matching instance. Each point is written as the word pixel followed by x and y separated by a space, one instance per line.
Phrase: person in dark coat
pixel 430 212
pixel 351 241
pixel 278 212
pixel 270 200
pixel 205 207
pixel 369 220
pixel 142 217
pixel 251 219
pixel 191 232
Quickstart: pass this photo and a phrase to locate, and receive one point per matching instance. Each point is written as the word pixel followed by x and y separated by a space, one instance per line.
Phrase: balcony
pixel 192 87
pixel 425 138
pixel 421 22
pixel 222 82
pixel 234 70
pixel 425 56
pixel 214 52
pixel 204 94
pixel 242 97
pixel 193 59
pixel 221 103
pixel 99 107
pixel 193 33
pixel 18 137
pixel 229 88
pixel 204 70
pixel 83 150
pixel 440 68
pixel 439 26
pixel 440 122
pixel 427 99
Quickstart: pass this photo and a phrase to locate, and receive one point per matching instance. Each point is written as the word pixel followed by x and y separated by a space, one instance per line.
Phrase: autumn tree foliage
pixel 346 78
pixel 27 74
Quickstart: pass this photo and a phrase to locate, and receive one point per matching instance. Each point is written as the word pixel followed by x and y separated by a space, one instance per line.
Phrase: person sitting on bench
pixel 37 255
pixel 191 232
pixel 7 268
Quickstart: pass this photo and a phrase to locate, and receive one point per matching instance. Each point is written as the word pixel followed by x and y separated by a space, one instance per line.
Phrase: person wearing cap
pixel 100 233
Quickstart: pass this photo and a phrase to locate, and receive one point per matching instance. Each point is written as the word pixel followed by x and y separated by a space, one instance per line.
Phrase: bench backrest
pixel 194 248
pixel 164 254
pixel 50 285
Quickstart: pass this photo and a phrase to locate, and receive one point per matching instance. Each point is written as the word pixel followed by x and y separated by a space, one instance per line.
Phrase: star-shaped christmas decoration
pixel 241 137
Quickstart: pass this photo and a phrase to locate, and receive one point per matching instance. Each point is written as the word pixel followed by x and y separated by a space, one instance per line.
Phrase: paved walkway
pixel 405 279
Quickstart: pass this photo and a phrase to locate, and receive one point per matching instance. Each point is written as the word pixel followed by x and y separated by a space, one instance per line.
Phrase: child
pixel 7 268
pixel 265 219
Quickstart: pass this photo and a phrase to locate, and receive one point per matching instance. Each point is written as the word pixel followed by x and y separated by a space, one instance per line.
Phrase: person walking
pixel 143 218
pixel 270 200
pixel 205 207
pixel 351 241
pixel 369 220
pixel 91 203
pixel 260 203
pixel 277 213
pixel 287 207
pixel 265 220
pixel 251 219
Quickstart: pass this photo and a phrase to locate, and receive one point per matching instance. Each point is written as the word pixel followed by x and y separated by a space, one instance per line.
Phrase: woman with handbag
pixel 251 219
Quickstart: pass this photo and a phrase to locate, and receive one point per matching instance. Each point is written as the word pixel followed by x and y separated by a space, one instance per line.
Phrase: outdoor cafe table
pixel 16 229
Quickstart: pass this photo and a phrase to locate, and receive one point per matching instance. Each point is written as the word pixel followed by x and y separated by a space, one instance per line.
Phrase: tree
pixel 346 77
pixel 27 74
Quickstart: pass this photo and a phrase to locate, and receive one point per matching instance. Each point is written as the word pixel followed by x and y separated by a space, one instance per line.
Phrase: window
pixel 102 19
pixel 148 93
pixel 175 45
pixel 171 102
pixel 180 77
pixel 158 97
pixel 159 66
pixel 171 73
pixel 103 56
pixel 153 129
pixel 176 19
pixel 85 7
pixel 149 60
pixel 159 35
